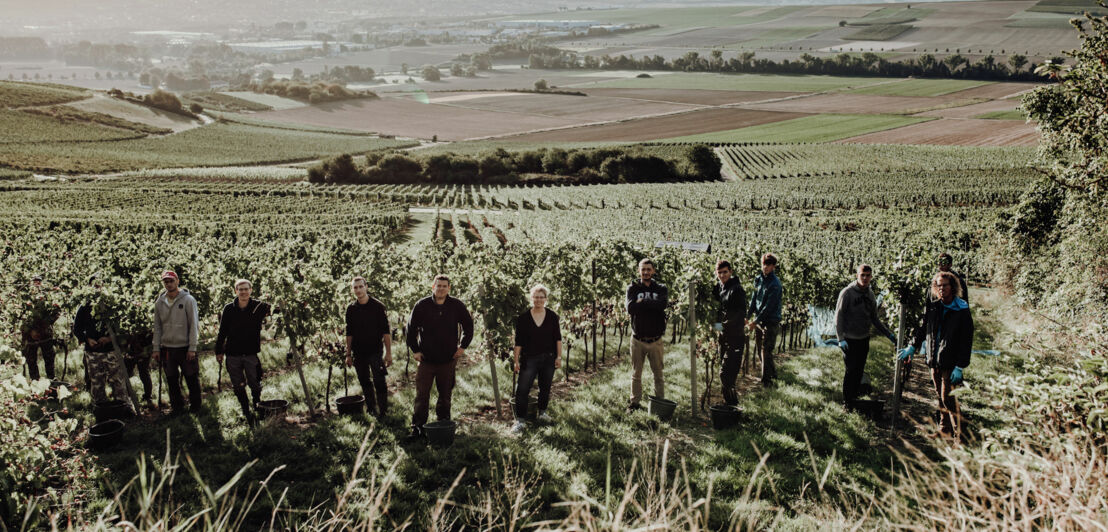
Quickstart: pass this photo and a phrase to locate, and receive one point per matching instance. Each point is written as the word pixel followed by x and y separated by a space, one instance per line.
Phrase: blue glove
pixel 717 326
pixel 956 376
pixel 892 338
pixel 843 345
pixel 906 353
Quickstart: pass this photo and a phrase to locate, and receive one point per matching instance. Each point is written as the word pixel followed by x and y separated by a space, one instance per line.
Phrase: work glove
pixel 717 326
pixel 843 345
pixel 892 338
pixel 906 353
pixel 956 376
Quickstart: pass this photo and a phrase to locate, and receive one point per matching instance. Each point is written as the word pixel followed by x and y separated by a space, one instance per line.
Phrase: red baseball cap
pixel 169 274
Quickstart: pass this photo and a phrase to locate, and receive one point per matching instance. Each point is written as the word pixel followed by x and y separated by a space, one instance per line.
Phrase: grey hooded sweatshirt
pixel 855 312
pixel 176 324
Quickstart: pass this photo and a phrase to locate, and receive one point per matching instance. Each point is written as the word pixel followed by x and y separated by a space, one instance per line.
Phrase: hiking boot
pixel 518 427
pixel 415 436
pixel 544 417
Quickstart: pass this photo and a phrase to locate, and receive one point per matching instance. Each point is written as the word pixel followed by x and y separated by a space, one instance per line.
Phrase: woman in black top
pixel 947 327
pixel 538 352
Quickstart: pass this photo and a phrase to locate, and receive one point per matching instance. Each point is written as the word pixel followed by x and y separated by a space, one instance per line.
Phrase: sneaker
pixel 519 426
pixel 544 417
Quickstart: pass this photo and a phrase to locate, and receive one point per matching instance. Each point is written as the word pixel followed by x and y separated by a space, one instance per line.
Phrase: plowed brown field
pixel 587 108
pixel 846 104
pixel 956 132
pixel 406 118
pixel 691 123
pixel 700 97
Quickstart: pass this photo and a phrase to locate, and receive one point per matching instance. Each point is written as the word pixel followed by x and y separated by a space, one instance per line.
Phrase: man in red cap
pixel 176 333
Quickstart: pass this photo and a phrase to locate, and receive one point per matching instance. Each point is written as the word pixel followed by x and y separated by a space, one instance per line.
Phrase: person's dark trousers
pixel 731 342
pixel 371 375
pixel 540 367
pixel 142 362
pixel 442 376
pixel 855 360
pixel 30 353
pixel 765 338
pixel 242 370
pixel 174 360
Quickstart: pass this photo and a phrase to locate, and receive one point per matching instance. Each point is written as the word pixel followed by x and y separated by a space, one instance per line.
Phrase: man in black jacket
pixel 731 321
pixel 946 263
pixel 240 339
pixel 646 303
pixel 367 332
pixel 436 346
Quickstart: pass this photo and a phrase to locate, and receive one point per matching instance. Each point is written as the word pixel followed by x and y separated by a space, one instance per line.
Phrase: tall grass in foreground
pixel 1031 487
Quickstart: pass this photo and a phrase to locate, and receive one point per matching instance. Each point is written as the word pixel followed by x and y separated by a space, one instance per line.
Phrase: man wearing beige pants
pixel 646 303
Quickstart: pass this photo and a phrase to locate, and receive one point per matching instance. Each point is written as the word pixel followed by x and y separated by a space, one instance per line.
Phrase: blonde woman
pixel 538 352
pixel 948 328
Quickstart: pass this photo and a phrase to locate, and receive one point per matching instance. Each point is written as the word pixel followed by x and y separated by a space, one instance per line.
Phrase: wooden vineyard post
pixel 692 346
pixel 495 383
pixel 303 381
pixel 898 378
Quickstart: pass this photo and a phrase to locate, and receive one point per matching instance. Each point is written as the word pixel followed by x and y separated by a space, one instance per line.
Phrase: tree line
pixel 541 166
pixel 1017 67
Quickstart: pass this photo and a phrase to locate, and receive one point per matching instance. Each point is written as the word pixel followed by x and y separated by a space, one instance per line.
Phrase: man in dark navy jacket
pixel 436 345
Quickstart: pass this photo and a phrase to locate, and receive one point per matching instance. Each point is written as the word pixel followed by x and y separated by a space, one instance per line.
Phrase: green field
pixel 742 82
pixel 21 94
pixel 920 87
pixel 1068 7
pixel 817 128
pixel 776 36
pixel 1013 114
pixel 214 145
pixel 879 32
pixel 25 128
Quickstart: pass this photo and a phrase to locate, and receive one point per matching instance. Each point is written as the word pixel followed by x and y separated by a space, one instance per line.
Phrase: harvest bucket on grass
pixel 273 408
pixel 440 432
pixel 663 408
pixel 532 408
pixel 106 434
pixel 725 416
pixel 350 405
pixel 113 409
pixel 871 408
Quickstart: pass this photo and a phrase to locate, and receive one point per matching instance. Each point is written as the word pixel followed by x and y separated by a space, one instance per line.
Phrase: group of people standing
pixel 440 329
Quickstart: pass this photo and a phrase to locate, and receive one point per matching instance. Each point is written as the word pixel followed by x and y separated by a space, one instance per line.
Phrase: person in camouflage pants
pixel 104 367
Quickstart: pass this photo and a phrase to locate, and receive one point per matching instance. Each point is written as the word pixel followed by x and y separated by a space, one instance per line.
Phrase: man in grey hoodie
pixel 176 333
pixel 855 312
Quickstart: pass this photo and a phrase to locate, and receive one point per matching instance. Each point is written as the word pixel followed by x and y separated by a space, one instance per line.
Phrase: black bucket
pixel 105 434
pixel 350 405
pixel 663 408
pixel 725 416
pixel 440 433
pixel 871 408
pixel 532 408
pixel 113 409
pixel 273 408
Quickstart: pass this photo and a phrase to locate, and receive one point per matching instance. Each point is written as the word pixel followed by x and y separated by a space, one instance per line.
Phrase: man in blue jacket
pixel 646 303
pixel 765 316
